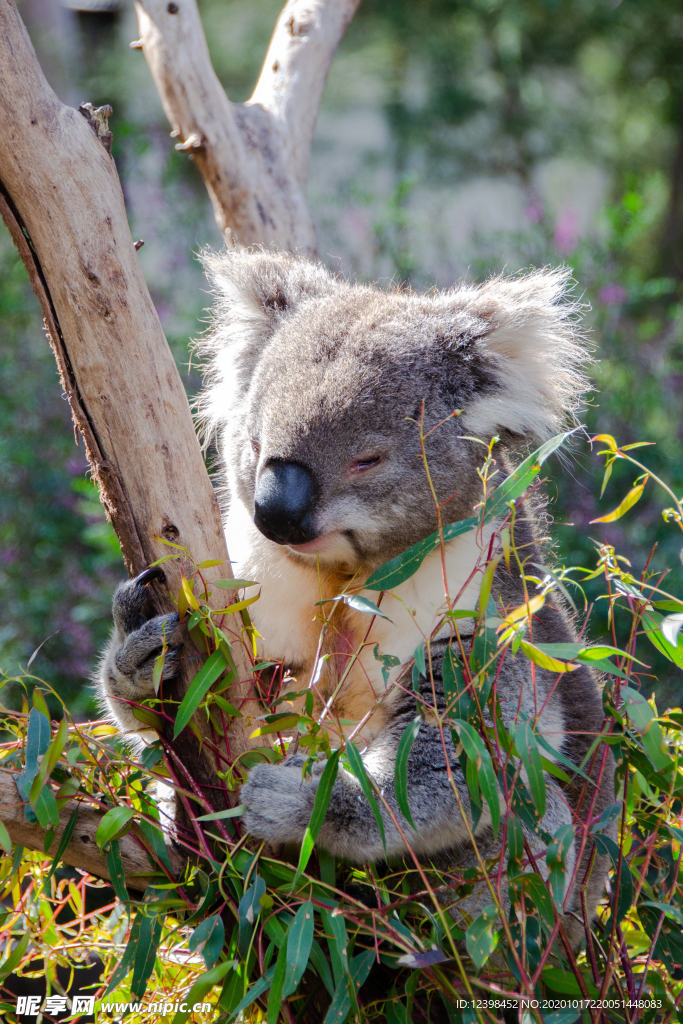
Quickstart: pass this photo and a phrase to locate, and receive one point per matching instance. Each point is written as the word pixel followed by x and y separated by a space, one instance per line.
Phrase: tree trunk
pixel 62 202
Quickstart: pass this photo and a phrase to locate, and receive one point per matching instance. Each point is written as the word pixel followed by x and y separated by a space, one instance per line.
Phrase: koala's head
pixel 317 390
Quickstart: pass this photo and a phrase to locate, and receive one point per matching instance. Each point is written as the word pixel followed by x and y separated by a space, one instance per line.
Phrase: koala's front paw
pixel 278 801
pixel 127 669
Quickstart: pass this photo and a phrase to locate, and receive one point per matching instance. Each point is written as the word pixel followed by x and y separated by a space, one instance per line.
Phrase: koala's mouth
pixel 319 545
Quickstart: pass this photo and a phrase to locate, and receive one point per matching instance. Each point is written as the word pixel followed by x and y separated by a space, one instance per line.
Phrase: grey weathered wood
pixel 253 156
pixel 82 852
pixel 62 201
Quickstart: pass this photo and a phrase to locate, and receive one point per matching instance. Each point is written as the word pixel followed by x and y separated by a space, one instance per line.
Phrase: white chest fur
pixel 287 618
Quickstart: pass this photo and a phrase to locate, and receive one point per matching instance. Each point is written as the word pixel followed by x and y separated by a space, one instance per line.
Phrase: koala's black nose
pixel 284 498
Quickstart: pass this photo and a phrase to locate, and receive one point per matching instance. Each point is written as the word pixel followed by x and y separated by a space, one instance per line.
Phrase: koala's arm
pixel 127 667
pixel 279 803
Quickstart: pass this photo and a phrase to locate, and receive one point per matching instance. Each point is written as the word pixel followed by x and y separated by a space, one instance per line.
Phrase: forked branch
pixel 253 156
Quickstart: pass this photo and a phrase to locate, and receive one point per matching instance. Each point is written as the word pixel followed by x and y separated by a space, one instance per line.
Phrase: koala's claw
pixel 278 801
pixel 154 573
pixel 127 672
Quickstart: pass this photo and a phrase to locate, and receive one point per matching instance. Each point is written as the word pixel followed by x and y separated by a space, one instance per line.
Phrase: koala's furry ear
pixel 533 342
pixel 254 289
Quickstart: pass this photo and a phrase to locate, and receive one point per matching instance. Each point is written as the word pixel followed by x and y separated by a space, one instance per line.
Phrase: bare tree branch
pixel 295 71
pixel 253 156
pixel 63 204
pixel 82 852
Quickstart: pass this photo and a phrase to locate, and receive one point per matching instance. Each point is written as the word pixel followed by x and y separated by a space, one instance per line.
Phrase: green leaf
pixel 515 843
pixel 155 837
pixel 5 841
pixel 536 888
pixel 39 697
pixel 225 705
pixel 202 986
pixel 639 711
pixel 643 719
pixel 208 674
pixel 401 768
pixel 116 872
pixel 208 939
pixel 521 802
pixel 112 824
pixel 607 846
pixel 14 959
pixel 232 584
pixel 557 755
pixel 299 941
pixel 46 808
pixel 37 742
pixel 487 583
pixel 64 842
pixel 249 910
pixel 320 805
pixel 527 747
pixel 358 768
pixel 359 968
pixel 319 961
pixel 556 856
pixel 276 994
pixel 628 502
pixel 483 660
pixel 232 812
pixel 50 759
pixel 601 651
pixel 671 910
pixel 284 721
pixel 652 623
pixel 476 751
pixel 362 604
pixel 126 962
pixel 401 568
pixel 610 814
pixel 461 703
pixel 256 990
pixel 565 983
pixel 337 941
pixel 543 660
pixel 480 938
pixel 145 954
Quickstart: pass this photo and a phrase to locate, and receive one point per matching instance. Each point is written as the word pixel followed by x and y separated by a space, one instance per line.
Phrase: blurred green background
pixel 455 139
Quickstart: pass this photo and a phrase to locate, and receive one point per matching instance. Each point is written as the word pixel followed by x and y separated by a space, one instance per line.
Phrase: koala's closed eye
pixel 364 462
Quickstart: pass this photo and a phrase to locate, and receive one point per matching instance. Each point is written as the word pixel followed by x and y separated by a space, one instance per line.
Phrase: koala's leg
pixel 127 667
pixel 280 803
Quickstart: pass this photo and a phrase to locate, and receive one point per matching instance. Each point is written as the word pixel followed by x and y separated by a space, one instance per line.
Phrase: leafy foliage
pixel 261 937
pixel 500 87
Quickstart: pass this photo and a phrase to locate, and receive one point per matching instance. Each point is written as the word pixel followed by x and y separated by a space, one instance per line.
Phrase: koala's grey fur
pixel 308 369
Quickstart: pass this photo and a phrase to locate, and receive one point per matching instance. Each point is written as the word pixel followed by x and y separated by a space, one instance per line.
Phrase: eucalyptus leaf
pixel 405 745
pixel 208 674
pixel 480 938
pixel 402 567
pixel 321 802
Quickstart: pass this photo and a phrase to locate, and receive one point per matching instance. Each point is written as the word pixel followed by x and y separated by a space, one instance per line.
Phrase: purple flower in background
pixel 612 294
pixel 566 231
pixel 534 211
pixel 9 556
pixel 76 466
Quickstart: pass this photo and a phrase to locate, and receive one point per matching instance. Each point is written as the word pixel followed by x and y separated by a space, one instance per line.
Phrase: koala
pixel 318 392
